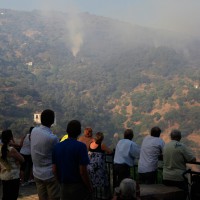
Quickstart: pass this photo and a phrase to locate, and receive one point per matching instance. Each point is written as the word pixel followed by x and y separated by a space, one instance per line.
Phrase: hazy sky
pixel 177 15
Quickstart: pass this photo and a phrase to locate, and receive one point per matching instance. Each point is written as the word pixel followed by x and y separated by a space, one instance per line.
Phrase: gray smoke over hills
pixel 180 16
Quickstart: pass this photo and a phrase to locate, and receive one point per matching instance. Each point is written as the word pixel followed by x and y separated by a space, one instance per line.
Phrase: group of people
pixel 174 154
pixel 62 169
pixel 73 167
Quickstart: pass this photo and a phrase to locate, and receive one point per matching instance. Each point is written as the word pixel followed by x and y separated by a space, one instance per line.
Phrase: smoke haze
pixel 72 23
pixel 175 15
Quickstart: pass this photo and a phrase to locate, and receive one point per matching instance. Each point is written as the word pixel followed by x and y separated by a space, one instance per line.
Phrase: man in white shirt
pixel 42 143
pixel 151 149
pixel 125 154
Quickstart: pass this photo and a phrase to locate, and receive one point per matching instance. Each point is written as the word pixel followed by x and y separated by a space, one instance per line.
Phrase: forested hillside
pixel 106 73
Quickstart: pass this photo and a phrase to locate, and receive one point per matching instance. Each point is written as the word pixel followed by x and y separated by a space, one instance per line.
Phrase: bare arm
pixel 106 149
pixel 85 176
pixel 15 154
pixel 13 144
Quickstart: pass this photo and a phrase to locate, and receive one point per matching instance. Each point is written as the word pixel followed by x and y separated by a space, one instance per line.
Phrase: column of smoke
pixel 73 21
pixel 75 32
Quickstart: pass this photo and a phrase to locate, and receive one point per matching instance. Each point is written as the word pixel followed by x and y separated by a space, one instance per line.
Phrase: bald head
pixel 176 135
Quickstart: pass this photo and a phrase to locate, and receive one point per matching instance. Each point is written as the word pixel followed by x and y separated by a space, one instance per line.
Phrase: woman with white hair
pixel 127 190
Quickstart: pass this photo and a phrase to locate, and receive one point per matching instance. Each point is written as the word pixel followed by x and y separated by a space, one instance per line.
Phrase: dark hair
pixel 175 135
pixel 128 134
pixel 5 138
pixel 30 130
pixel 155 131
pixel 47 117
pixel 99 137
pixel 74 128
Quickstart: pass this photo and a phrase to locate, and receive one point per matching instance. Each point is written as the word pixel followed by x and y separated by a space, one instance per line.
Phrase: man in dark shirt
pixel 70 160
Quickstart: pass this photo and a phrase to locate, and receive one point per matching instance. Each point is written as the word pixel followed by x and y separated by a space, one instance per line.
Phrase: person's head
pixel 74 129
pixel 88 132
pixel 155 131
pixel 126 189
pixel 128 134
pixel 6 137
pixel 47 117
pixel 99 137
pixel 175 135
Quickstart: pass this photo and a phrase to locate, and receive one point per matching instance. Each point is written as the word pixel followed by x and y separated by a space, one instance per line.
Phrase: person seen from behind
pixel 125 154
pixel 26 167
pixel 70 160
pixel 175 157
pixel 127 190
pixel 87 137
pixel 42 143
pixel 151 150
pixel 10 160
pixel 97 167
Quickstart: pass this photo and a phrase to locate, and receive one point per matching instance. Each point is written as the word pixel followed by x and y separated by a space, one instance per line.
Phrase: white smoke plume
pixel 75 32
pixel 73 21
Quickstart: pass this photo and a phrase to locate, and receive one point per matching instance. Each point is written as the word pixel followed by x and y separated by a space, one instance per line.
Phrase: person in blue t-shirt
pixel 125 154
pixel 70 160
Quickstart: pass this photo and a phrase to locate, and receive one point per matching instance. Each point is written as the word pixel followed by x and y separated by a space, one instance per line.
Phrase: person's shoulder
pixel 146 138
pixel 80 143
pixel 81 138
pixel 58 145
pixel 153 139
pixel 159 140
pixel 122 141
pixel 12 150
pixel 133 143
pixel 182 145
pixel 175 144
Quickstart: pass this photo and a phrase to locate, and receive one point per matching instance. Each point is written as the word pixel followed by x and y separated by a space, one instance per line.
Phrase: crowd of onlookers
pixel 74 167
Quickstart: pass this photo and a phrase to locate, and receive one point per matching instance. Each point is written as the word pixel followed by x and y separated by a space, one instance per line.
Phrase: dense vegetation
pixel 121 76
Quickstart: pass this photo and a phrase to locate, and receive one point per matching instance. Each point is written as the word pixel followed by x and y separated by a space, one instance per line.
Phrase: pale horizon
pixel 174 15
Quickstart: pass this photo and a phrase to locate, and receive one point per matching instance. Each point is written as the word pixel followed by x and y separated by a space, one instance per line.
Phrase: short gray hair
pixel 127 189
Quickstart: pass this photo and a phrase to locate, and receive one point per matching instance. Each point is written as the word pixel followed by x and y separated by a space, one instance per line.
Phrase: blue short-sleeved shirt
pixel 68 156
pixel 42 143
pixel 126 152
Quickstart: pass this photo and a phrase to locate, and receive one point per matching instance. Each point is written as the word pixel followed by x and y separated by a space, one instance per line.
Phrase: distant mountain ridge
pixel 106 73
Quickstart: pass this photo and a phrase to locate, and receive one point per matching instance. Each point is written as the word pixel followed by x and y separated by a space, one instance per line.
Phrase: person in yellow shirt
pixel 64 137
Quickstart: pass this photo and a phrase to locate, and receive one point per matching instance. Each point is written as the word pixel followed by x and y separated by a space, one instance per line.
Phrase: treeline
pixel 119 85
